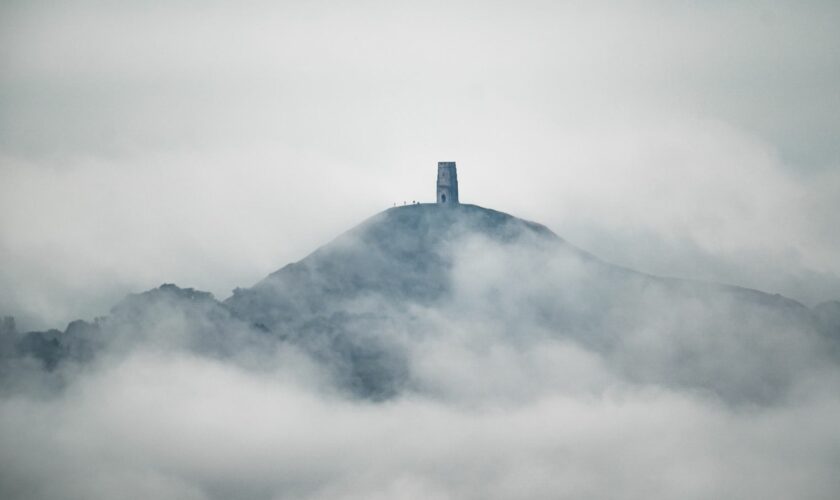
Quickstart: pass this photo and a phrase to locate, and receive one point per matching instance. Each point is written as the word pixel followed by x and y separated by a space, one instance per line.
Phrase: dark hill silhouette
pixel 360 304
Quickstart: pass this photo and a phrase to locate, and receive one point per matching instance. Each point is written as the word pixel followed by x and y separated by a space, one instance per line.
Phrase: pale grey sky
pixel 210 143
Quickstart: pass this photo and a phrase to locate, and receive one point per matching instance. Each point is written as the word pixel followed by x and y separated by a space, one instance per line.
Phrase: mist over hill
pixel 416 274
pixel 431 323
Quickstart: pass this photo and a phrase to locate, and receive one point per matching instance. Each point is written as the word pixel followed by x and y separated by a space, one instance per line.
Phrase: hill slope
pixel 412 273
pixel 371 306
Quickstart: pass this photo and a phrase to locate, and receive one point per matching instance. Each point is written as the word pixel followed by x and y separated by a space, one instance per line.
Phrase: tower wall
pixel 447 183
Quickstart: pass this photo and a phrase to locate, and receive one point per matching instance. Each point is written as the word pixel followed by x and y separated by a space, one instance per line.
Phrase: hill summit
pixel 405 253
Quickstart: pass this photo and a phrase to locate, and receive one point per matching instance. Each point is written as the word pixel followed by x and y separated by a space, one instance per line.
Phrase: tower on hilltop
pixel 447 183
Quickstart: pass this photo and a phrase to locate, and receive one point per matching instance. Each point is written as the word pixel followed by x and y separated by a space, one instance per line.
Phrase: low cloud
pixel 186 427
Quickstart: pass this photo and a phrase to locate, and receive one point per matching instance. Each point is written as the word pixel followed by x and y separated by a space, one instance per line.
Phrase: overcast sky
pixel 210 143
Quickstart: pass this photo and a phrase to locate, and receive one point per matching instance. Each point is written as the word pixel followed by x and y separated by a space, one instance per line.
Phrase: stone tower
pixel 447 183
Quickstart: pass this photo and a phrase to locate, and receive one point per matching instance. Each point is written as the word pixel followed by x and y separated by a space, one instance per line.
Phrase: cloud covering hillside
pixel 433 353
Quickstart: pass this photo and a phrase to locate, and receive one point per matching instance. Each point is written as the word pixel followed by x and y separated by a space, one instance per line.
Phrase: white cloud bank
pixel 183 427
